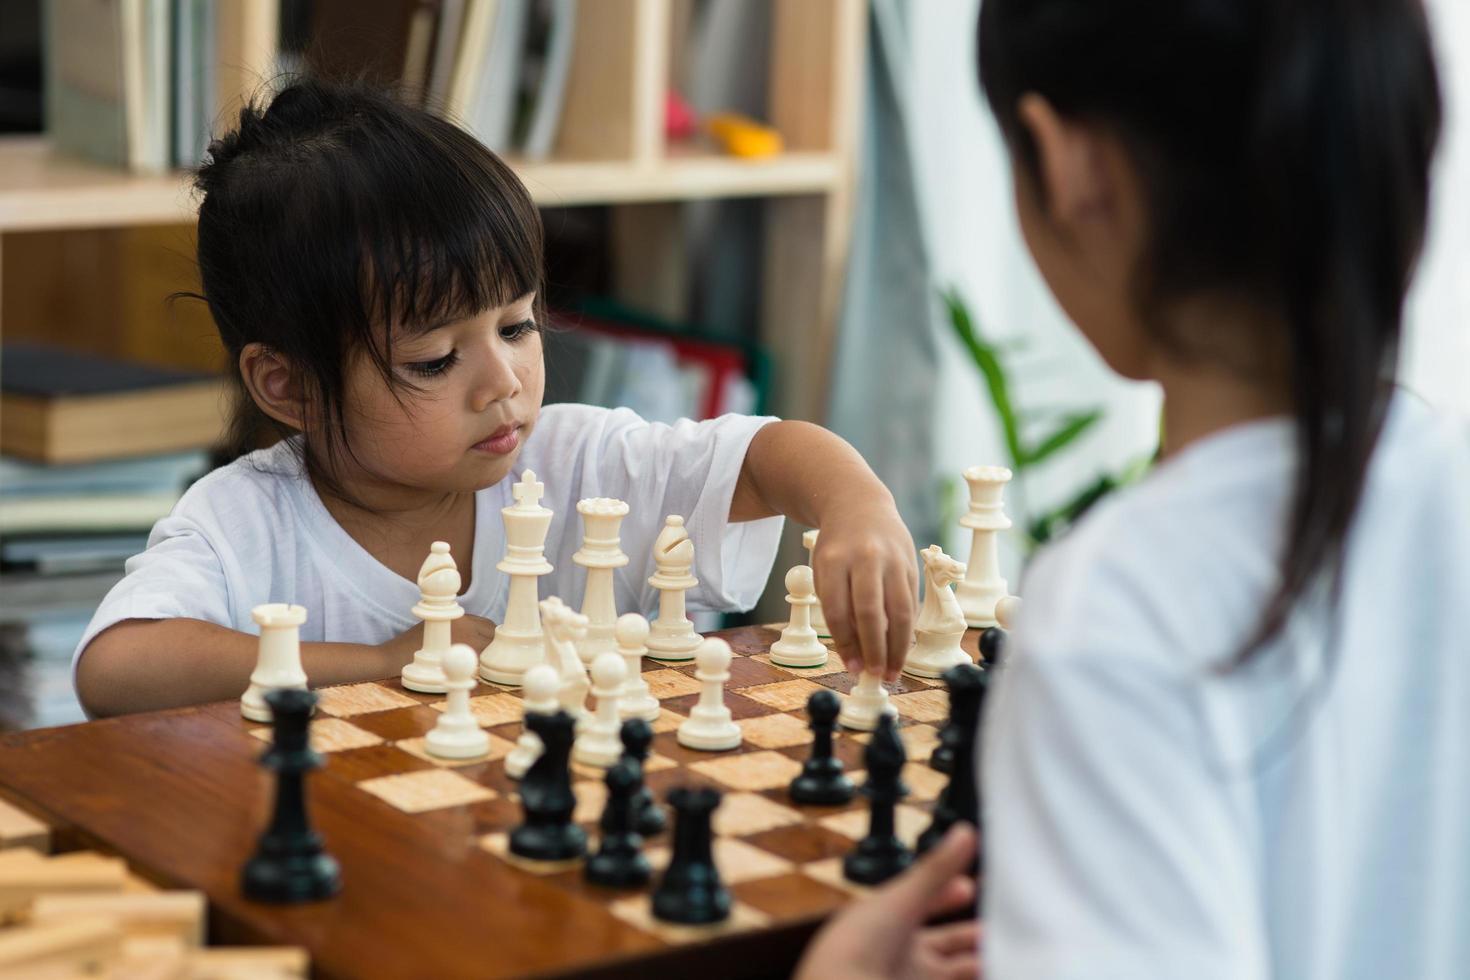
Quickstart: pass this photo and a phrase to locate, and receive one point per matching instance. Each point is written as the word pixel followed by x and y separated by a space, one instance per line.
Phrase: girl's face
pixel 476 391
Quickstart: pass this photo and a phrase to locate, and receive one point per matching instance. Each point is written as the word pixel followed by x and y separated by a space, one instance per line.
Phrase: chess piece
pixel 709 726
pixel 822 781
pixel 562 629
pixel 519 643
pixel 941 623
pixel 866 704
pixel 457 735
pixel 632 638
pixel 637 736
pixel 289 864
pixel 600 555
pixel 798 645
pixel 1006 611
pixel 983 585
pixel 671 636
pixel 540 699
pixel 690 892
pixel 439 584
pixel 819 618
pixel 880 855
pixel 278 660
pixel 599 743
pixel 619 861
pixel 548 833
pixel 992 647
pixel 960 799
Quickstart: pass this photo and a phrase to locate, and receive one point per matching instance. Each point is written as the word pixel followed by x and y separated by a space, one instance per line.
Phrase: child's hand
pixel 868 581
pixel 474 630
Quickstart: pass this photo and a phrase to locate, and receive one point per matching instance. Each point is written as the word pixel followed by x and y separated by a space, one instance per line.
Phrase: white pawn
pixel 799 646
pixel 941 624
pixel 819 618
pixel 671 635
pixel 1006 611
pixel 439 584
pixel 868 700
pixel 540 699
pixel 709 727
pixel 636 700
pixel 278 657
pixel 457 735
pixel 599 744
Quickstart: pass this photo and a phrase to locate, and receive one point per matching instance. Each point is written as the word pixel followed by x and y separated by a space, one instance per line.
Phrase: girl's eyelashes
pixel 438 366
pixel 516 331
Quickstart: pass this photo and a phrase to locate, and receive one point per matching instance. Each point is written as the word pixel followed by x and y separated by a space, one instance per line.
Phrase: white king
pixel 983 586
pixel 600 555
pixel 519 643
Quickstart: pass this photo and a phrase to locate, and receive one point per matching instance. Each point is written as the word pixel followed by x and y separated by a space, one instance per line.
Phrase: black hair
pixel 337 212
pixel 1284 148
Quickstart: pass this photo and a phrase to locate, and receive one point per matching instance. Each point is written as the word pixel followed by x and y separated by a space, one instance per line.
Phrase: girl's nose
pixel 498 380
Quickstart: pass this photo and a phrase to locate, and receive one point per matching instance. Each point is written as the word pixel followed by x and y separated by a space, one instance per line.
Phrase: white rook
pixel 600 555
pixel 278 661
pixel 519 643
pixel 983 587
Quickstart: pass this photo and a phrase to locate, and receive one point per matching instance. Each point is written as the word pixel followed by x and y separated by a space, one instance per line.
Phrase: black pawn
pixel 960 799
pixel 289 864
pixel 619 861
pixel 637 736
pixel 690 892
pixel 822 781
pixel 881 855
pixel 548 833
pixel 993 646
pixel 950 735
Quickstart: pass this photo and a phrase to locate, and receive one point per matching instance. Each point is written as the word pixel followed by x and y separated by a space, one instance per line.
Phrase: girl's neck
pixel 397 527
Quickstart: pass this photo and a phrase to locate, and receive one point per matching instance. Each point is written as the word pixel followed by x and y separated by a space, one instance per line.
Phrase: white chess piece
pixel 562 629
pixel 983 585
pixel 868 700
pixel 278 657
pixel 636 701
pixel 1006 611
pixel 540 699
pixel 457 735
pixel 819 618
pixel 519 642
pixel 941 623
pixel 799 646
pixel 599 743
pixel 671 636
pixel 600 555
pixel 439 584
pixel 709 727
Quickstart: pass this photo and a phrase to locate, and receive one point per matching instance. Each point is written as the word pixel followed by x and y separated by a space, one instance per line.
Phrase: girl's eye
pixel 516 331
pixel 429 369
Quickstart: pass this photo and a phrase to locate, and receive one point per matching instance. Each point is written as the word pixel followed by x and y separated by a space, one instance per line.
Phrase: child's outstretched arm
pixel 866 571
pixel 151 664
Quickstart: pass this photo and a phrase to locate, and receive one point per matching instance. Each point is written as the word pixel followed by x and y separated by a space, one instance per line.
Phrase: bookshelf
pixel 60 216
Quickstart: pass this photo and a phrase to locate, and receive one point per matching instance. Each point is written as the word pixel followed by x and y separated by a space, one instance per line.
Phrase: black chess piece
pixel 993 646
pixel 619 861
pixel 637 736
pixel 960 799
pixel 950 735
pixel 881 855
pixel 690 891
pixel 289 864
pixel 822 781
pixel 548 833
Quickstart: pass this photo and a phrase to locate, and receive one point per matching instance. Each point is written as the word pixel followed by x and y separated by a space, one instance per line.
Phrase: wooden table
pixel 180 795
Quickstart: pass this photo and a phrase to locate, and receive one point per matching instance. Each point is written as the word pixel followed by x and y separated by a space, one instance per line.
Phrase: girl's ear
pixel 273 384
pixel 1075 173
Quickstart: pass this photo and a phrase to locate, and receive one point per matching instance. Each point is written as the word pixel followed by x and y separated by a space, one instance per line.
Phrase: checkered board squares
pixel 833 665
pixel 491 709
pixel 360 699
pixel 330 735
pixel 499 749
pixel 931 705
pixel 775 731
pixel 751 770
pixel 908 822
pixel 738 861
pixel 428 789
pixel 668 683
pixel 783 695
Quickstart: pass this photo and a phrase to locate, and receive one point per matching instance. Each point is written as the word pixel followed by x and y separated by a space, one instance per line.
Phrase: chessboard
pixel 429 885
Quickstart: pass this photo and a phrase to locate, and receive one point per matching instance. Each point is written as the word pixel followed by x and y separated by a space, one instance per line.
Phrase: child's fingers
pixel 870 616
pixel 900 621
pixel 914 893
pixel 837 608
pixel 958 893
pixel 955 937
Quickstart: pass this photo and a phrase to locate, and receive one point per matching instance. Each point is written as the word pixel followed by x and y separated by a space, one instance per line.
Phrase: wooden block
pixel 19 829
pixel 248 963
pixel 151 958
pixel 65 949
pixel 21 882
pixel 179 914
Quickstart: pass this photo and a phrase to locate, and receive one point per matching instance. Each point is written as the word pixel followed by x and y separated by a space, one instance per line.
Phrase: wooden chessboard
pixel 429 887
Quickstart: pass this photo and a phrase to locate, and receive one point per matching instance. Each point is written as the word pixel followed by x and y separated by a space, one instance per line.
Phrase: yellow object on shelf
pixel 742 136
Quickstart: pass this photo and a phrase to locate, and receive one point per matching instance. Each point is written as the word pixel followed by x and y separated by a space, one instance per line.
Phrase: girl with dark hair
pixel 1230 738
pixel 375 274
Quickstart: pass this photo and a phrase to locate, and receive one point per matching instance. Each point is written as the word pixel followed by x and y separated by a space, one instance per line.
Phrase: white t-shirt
pixel 255 531
pixel 1306 817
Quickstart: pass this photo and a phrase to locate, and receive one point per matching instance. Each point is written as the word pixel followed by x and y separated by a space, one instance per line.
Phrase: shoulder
pixel 256 489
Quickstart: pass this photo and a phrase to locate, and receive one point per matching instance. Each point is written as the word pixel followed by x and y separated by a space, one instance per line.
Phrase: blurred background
pixel 788 206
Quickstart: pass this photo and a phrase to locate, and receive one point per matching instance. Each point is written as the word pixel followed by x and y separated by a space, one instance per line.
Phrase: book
pixel 551 82
pixel 491 115
pixel 58 406
pixel 470 62
pixel 76 513
pixel 446 51
pixel 85 105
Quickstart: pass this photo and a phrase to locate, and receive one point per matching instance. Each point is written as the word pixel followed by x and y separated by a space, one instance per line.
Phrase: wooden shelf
pixel 41 189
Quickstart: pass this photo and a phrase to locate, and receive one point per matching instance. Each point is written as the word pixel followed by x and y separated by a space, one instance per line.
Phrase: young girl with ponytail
pixel 1232 736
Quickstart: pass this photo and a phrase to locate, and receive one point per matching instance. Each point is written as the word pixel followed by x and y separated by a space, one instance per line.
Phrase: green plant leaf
pixel 987 359
pixel 1069 431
